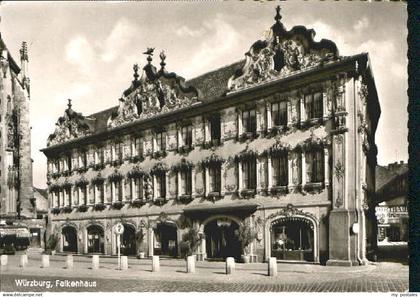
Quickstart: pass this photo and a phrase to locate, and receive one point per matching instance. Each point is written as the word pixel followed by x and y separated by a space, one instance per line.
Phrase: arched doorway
pixel 69 235
pixel 95 239
pixel 292 238
pixel 128 241
pixel 221 240
pixel 166 240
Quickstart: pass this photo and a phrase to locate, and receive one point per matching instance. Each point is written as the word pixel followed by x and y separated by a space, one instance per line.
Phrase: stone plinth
pixel 191 264
pixel 155 264
pixel 95 262
pixel 69 262
pixel 124 262
pixel 272 266
pixel 23 260
pixel 3 260
pixel 45 261
pixel 230 265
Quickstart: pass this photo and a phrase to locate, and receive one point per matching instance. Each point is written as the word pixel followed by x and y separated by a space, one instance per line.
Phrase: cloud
pixel 80 52
pixel 120 37
pixel 361 24
pixel 185 31
pixel 76 91
pixel 220 42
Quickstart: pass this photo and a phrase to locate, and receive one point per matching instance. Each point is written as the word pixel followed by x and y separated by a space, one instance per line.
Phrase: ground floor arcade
pixel 287 233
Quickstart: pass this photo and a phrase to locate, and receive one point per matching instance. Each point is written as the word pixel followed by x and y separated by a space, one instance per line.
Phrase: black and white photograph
pixel 204 146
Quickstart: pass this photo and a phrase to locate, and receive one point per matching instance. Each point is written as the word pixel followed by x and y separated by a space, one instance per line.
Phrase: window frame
pixel 278 119
pixel 249 174
pixel 249 121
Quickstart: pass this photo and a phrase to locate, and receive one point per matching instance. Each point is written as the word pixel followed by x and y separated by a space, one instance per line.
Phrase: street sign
pixel 119 228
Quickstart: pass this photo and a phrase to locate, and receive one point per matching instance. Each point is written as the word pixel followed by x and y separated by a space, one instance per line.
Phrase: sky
pixel 86 50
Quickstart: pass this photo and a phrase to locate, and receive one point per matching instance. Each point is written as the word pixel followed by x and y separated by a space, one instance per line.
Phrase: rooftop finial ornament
pixel 162 57
pixel 278 15
pixel 136 69
pixel 149 52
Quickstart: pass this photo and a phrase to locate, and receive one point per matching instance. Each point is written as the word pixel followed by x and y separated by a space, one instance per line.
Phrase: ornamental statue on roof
pixel 281 54
pixel 70 126
pixel 155 92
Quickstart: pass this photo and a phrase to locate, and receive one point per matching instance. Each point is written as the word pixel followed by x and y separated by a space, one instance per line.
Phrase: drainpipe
pixel 355 176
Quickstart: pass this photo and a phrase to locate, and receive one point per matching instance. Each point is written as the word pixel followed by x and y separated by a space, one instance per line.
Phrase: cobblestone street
pixel 210 276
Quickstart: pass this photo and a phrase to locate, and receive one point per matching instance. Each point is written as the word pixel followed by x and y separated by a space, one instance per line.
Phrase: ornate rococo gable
pixel 281 54
pixel 156 92
pixel 70 126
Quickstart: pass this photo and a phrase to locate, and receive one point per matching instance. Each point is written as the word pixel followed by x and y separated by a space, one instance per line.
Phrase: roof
pixel 13 65
pixel 210 83
pixel 41 199
pixel 385 174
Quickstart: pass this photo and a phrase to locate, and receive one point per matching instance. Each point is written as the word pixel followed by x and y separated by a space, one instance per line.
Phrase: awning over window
pixel 237 209
pixel 19 232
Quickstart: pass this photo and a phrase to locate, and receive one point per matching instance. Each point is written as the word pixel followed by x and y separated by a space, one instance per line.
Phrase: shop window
pixel 315 166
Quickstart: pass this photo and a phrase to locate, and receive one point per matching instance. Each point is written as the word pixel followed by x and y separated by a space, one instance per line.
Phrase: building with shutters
pixel 272 156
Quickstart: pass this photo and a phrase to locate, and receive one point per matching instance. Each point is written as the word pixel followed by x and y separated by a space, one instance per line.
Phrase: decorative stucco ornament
pixel 70 126
pixel 156 92
pixel 282 53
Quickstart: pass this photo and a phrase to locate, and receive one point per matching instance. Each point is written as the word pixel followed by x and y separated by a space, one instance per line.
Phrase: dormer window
pixel 313 106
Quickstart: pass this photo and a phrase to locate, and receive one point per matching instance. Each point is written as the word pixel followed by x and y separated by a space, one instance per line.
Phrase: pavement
pixel 209 277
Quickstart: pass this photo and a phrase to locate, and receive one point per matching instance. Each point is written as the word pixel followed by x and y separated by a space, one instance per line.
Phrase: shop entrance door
pixel 221 240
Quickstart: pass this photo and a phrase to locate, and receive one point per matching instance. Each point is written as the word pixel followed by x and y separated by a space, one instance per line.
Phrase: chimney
pixel 24 61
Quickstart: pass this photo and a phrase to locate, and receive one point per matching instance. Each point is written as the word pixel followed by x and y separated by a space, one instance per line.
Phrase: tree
pixel 190 241
pixel 246 234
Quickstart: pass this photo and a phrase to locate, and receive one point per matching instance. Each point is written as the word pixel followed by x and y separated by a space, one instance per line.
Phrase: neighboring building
pixel 282 143
pixel 392 198
pixel 17 213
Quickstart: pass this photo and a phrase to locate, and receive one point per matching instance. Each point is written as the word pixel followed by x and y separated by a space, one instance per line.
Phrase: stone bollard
pixel 124 262
pixel 69 262
pixel 3 260
pixel 155 264
pixel 95 262
pixel 272 266
pixel 45 261
pixel 190 264
pixel 23 260
pixel 230 265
